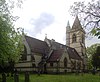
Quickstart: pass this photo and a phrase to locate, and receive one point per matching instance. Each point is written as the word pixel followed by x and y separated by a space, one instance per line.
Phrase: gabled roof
pixel 73 53
pixel 36 45
pixel 59 50
pixel 56 54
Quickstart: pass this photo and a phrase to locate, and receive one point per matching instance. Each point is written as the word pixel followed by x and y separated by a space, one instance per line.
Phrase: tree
pixel 96 58
pixel 98 51
pixel 90 51
pixel 89 15
pixel 10 38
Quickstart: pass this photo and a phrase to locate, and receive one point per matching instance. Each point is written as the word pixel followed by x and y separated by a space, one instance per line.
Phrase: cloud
pixel 42 22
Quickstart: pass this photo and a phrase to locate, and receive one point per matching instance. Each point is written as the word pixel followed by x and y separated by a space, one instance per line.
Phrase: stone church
pixel 49 56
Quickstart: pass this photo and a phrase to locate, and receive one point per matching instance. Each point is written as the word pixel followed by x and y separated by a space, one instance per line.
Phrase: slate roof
pixel 73 53
pixel 56 54
pixel 36 45
pixel 59 51
pixel 39 46
pixel 56 44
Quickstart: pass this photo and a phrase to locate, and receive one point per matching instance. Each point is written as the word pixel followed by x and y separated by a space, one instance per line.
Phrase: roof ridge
pixel 58 42
pixel 34 38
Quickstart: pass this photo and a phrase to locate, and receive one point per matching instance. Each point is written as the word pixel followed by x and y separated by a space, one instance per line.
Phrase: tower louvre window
pixel 65 62
pixel 73 38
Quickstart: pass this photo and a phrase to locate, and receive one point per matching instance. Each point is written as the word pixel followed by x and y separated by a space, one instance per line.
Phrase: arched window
pixel 51 64
pixel 24 54
pixel 78 65
pixel 74 63
pixel 82 38
pixel 33 65
pixel 32 57
pixel 65 62
pixel 73 38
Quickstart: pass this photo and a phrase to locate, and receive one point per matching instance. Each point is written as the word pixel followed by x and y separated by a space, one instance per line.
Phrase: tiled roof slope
pixel 56 54
pixel 36 45
pixel 73 53
pixel 59 48
pixel 39 46
pixel 56 44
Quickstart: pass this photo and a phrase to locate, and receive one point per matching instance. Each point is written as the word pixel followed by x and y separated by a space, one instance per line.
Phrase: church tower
pixel 77 39
pixel 68 34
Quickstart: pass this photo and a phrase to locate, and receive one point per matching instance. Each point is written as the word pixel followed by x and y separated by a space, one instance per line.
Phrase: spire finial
pixel 68 26
pixel 45 36
pixel 68 23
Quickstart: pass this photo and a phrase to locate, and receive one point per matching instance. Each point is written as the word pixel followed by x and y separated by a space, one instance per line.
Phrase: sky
pixel 41 17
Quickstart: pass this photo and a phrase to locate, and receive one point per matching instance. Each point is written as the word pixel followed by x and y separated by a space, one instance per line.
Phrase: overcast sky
pixel 40 17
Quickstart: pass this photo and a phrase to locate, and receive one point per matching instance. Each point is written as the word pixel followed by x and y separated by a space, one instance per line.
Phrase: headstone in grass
pixel 77 72
pixel 93 71
pixel 7 74
pixel 99 73
pixel 11 74
pixel 82 73
pixel 65 71
pixel 39 72
pixel 3 77
pixel 26 76
pixel 16 77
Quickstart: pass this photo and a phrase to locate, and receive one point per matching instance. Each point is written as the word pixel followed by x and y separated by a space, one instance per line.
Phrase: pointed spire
pixel 68 25
pixel 68 34
pixel 45 37
pixel 76 24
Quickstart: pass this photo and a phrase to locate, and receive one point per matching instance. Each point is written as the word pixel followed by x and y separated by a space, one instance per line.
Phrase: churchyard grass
pixel 58 78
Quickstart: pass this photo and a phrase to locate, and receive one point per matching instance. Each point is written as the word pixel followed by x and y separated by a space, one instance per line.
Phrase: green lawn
pixel 59 78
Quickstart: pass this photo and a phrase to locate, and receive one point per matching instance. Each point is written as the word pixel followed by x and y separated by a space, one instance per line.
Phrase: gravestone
pixel 76 73
pixel 7 74
pixel 39 71
pixel 94 71
pixel 3 77
pixel 26 76
pixel 16 77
